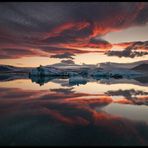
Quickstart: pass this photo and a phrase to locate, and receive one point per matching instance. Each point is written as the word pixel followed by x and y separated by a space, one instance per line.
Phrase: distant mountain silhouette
pixel 143 67
pixel 8 68
pixel 121 65
pixel 143 80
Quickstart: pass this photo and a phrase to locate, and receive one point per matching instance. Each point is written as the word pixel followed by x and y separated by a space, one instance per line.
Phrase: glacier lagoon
pixel 73 111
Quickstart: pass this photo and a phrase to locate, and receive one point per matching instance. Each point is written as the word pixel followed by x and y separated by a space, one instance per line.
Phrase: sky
pixel 44 33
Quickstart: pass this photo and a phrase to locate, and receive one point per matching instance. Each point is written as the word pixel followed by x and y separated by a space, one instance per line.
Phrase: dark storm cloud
pixel 69 33
pixel 73 24
pixel 63 56
pixel 44 16
pixel 17 53
pixel 142 16
pixel 127 53
pixel 136 49
pixel 68 62
pixel 60 50
pixel 97 41
pixel 34 50
pixel 100 43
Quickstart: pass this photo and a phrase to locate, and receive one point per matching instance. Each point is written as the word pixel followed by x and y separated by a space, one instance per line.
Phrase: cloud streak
pixel 136 49
pixel 63 56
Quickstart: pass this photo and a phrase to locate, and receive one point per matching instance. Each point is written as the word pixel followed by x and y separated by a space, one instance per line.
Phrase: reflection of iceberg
pixel 12 76
pixel 97 74
pixel 143 79
pixel 115 73
pixel 124 73
pixel 135 81
pixel 41 79
pixel 77 80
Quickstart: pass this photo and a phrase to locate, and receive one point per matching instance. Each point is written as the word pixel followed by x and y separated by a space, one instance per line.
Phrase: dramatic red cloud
pixel 18 53
pixel 123 45
pixel 57 31
pixel 98 45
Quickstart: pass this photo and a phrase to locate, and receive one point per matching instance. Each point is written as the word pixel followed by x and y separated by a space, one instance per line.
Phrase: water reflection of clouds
pixel 88 109
pixel 69 116
pixel 135 96
pixel 70 96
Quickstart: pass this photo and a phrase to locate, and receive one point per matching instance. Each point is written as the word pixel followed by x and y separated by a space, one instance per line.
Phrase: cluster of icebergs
pixel 80 75
pixel 95 72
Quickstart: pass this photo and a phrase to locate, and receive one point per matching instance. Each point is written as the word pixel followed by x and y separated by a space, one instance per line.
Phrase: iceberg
pixel 80 75
pixel 45 71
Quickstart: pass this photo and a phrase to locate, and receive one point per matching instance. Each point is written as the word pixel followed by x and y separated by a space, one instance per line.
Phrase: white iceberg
pixel 44 71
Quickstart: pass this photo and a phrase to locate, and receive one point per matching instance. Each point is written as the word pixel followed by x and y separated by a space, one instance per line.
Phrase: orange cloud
pixel 123 45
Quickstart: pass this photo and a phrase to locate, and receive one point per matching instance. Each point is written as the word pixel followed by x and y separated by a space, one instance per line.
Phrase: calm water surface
pixel 101 112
